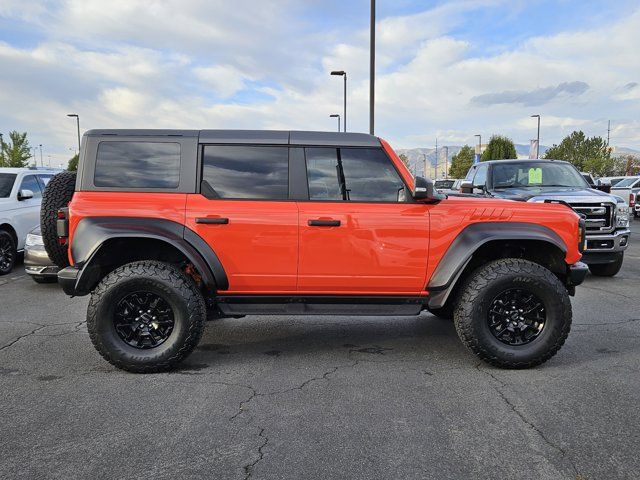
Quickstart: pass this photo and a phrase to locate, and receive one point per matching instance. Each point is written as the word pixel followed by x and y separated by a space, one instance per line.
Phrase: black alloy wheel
pixel 143 319
pixel 516 317
pixel 7 253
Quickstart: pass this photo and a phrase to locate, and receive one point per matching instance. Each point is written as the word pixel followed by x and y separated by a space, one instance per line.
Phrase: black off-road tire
pixel 489 281
pixel 8 252
pixel 607 269
pixel 175 287
pixel 57 194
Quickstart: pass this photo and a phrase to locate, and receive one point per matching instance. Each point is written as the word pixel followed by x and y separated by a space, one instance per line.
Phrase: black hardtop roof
pixel 523 160
pixel 262 137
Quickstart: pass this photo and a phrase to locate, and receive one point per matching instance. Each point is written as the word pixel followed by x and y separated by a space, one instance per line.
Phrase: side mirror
pixel 25 194
pixel 466 186
pixel 423 189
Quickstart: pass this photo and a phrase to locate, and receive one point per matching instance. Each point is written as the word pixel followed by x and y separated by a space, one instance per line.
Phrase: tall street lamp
pixel 336 115
pixel 538 136
pixel 446 160
pixel 78 125
pixel 372 65
pixel 479 148
pixel 41 164
pixel 343 74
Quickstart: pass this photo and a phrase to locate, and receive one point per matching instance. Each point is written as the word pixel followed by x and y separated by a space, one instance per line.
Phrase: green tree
pixel 73 163
pixel 499 148
pixel 405 159
pixel 461 162
pixel 15 152
pixel 587 154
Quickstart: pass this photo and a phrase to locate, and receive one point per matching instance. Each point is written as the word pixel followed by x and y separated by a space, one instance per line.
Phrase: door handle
pixel 324 223
pixel 213 220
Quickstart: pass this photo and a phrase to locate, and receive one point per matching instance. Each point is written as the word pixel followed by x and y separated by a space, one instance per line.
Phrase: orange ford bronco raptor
pixel 168 228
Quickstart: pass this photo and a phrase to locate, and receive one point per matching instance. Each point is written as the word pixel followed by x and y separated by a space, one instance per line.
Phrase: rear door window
pixel 246 172
pixel 6 184
pixel 145 165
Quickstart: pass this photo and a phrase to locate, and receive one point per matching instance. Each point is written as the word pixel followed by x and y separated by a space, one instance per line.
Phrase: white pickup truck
pixel 628 189
pixel 20 197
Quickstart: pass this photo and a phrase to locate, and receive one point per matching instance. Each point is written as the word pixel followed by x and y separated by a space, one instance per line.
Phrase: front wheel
pixel 607 269
pixel 8 252
pixel 146 316
pixel 513 313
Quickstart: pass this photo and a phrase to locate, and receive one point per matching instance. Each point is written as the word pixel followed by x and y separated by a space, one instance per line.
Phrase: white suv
pixel 20 197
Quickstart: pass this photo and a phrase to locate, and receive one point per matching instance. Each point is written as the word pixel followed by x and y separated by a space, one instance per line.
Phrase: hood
pixel 540 194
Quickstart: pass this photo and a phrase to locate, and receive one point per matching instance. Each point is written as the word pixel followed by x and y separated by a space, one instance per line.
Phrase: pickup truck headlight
pixel 33 241
pixel 622 215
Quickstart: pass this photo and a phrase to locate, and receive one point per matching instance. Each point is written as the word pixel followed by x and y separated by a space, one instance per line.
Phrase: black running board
pixel 319 305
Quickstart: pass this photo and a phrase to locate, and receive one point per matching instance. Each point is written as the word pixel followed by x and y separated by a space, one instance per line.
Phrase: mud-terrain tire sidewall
pixel 607 269
pixel 57 194
pixel 7 237
pixel 175 287
pixel 489 281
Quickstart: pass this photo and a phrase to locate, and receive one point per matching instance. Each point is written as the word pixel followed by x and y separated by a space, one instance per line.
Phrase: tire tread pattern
pixel 480 280
pixel 57 194
pixel 170 274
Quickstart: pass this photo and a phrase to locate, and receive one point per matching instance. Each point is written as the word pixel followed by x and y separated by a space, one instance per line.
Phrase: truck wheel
pixel 8 252
pixel 57 194
pixel 513 313
pixel 146 316
pixel 607 269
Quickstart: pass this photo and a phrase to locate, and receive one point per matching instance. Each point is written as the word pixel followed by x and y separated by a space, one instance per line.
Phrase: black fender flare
pixel 469 240
pixel 92 232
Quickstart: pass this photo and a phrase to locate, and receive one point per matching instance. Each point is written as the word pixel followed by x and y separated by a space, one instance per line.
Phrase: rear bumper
pixel 68 279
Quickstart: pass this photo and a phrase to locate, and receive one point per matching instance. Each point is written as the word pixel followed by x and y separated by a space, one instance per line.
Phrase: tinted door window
pixel 30 182
pixel 352 174
pixel 246 172
pixel 6 184
pixel 138 165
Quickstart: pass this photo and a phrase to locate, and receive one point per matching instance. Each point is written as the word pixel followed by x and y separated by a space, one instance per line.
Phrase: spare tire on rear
pixel 57 194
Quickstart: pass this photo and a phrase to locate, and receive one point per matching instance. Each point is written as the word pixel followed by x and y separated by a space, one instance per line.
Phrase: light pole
pixel 538 136
pixel 446 160
pixel 41 163
pixel 78 125
pixel 33 155
pixel 336 115
pixel 1 151
pixel 424 158
pixel 479 148
pixel 343 74
pixel 372 65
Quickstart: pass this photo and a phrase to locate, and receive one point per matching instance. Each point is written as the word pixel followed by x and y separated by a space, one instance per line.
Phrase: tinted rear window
pixel 138 165
pixel 6 184
pixel 247 172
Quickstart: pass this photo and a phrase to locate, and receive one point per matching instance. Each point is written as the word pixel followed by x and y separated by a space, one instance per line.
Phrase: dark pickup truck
pixel 607 216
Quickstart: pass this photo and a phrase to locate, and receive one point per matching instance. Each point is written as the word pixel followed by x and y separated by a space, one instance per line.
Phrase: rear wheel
pixel 146 316
pixel 8 252
pixel 57 194
pixel 513 313
pixel 607 269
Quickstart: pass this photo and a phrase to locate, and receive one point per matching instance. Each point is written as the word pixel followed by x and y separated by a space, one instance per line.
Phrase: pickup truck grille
pixel 598 216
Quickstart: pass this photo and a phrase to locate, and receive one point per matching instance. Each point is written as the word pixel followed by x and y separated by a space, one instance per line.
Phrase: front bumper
pixel 37 262
pixel 617 241
pixel 576 274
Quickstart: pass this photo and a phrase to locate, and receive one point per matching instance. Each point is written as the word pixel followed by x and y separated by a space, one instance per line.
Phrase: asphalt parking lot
pixel 321 397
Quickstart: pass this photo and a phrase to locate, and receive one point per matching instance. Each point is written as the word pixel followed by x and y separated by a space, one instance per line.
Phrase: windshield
pixel 6 184
pixel 536 174
pixel 627 182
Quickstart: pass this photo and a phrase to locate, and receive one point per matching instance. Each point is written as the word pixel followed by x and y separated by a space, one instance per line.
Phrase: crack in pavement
pixel 13 342
pixel 607 291
pixel 248 469
pixel 255 393
pixel 630 320
pixel 527 422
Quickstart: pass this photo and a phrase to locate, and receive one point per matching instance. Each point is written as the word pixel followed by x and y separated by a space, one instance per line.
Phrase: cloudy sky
pixel 446 69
